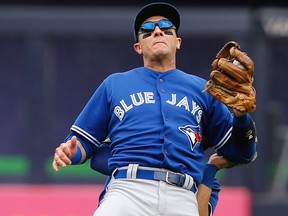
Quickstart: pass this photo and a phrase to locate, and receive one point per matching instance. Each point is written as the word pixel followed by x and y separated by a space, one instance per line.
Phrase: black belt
pixel 169 177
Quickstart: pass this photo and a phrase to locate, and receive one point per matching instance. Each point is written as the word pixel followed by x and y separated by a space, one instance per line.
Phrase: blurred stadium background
pixel 54 55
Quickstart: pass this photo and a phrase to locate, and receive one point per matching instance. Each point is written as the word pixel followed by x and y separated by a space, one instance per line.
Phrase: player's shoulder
pixel 123 74
pixel 191 77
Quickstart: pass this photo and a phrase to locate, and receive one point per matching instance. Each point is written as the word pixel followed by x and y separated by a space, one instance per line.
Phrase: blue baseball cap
pixel 156 9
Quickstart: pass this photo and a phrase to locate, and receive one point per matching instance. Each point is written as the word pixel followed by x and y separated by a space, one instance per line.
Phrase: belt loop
pixel 114 171
pixel 132 171
pixel 188 182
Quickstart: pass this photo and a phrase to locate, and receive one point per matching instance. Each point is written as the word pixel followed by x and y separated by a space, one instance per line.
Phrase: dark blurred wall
pixel 143 2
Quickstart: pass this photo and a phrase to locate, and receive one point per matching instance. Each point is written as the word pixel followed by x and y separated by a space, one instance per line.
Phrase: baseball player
pixel 156 117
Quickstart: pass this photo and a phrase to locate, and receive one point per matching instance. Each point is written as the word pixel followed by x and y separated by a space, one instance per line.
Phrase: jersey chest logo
pixel 193 134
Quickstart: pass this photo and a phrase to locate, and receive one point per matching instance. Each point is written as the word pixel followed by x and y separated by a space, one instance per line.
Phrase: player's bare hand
pixel 220 161
pixel 64 153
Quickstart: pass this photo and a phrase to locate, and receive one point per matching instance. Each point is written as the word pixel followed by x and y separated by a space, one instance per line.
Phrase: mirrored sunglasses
pixel 162 24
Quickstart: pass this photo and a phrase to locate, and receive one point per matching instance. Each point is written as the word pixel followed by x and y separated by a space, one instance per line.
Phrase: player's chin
pixel 161 53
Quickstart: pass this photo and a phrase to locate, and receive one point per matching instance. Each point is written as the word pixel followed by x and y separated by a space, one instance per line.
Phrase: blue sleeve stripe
pixel 224 139
pixel 83 133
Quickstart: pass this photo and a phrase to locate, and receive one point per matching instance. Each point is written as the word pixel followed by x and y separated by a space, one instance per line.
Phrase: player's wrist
pixel 242 121
pixel 239 113
pixel 209 174
pixel 77 158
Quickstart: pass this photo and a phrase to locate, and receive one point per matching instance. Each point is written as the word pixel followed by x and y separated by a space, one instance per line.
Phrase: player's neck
pixel 160 66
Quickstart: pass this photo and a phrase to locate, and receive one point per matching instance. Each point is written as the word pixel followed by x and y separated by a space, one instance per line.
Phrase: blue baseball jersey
pixel 157 120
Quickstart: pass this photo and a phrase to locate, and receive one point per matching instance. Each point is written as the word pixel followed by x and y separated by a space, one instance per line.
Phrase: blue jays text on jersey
pixel 141 98
pixel 157 120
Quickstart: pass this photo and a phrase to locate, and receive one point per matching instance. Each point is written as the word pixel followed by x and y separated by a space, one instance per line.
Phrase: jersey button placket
pixel 161 80
pixel 161 89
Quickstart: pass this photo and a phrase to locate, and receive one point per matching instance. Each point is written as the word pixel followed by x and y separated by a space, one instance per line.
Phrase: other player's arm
pixel 209 183
pixel 203 197
pixel 208 198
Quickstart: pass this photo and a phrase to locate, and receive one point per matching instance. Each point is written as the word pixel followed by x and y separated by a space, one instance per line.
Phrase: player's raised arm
pixel 231 82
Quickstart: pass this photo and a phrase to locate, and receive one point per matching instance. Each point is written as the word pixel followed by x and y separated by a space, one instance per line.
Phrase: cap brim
pixel 156 9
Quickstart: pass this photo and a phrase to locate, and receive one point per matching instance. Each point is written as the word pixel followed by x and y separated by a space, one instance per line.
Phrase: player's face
pixel 157 39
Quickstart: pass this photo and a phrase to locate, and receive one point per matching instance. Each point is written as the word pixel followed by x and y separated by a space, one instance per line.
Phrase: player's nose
pixel 157 31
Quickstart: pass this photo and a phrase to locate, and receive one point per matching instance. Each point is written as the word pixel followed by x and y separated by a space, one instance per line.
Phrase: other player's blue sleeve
pixel 214 196
pixel 210 181
pixel 99 163
pixel 99 160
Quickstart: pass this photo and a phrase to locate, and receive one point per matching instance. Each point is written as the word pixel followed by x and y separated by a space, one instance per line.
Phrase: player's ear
pixel 138 48
pixel 179 42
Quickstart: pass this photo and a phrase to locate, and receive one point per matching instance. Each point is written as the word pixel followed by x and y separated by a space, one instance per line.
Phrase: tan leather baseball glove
pixel 232 77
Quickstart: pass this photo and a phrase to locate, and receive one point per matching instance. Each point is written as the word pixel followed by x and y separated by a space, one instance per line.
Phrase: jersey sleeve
pixel 214 196
pixel 92 123
pixel 221 133
pixel 218 126
pixel 242 142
